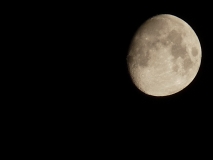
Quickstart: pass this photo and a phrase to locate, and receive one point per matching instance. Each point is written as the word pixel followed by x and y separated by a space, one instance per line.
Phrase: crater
pixel 153 44
pixel 165 42
pixel 175 68
pixel 175 37
pixel 178 51
pixel 187 63
pixel 144 58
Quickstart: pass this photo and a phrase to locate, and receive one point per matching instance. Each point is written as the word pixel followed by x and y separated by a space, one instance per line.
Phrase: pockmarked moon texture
pixel 164 56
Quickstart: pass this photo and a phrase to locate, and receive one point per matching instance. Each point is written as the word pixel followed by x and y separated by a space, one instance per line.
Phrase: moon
pixel 164 56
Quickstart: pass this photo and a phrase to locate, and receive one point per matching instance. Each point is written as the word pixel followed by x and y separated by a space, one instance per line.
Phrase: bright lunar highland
pixel 164 56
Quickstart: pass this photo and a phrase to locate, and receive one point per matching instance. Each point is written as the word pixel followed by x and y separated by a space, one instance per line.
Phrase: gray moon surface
pixel 164 56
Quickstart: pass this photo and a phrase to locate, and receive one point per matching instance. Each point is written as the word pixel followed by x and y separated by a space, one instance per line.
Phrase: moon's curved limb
pixel 164 56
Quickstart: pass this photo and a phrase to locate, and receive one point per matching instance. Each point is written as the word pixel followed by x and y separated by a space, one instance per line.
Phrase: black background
pixel 79 84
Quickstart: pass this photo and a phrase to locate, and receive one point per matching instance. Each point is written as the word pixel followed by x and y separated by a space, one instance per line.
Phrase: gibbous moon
pixel 164 56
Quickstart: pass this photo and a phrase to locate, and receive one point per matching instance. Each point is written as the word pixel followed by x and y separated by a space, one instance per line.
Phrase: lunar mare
pixel 164 56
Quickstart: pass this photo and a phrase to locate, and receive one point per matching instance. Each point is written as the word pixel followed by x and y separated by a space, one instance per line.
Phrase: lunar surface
pixel 164 56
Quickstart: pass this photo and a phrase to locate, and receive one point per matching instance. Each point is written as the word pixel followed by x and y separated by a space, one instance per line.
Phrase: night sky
pixel 91 92
pixel 73 83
